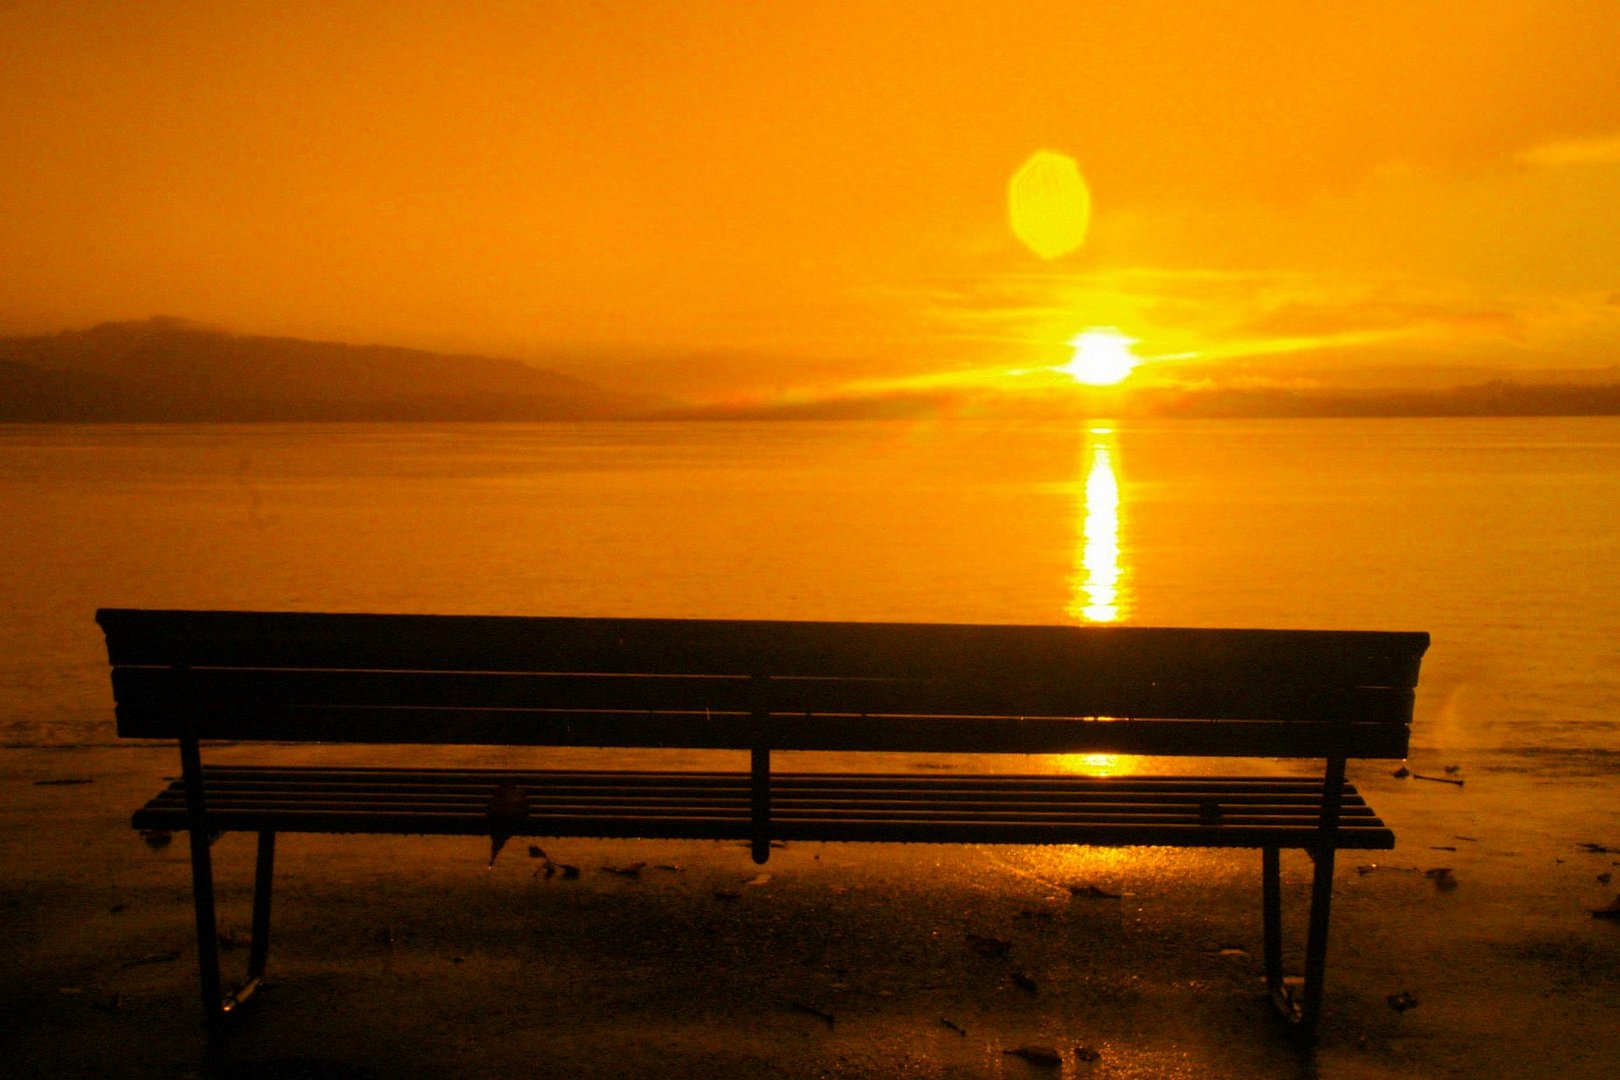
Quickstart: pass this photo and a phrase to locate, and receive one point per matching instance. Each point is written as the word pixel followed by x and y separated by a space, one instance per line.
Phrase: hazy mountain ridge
pixel 171 370
pixel 167 369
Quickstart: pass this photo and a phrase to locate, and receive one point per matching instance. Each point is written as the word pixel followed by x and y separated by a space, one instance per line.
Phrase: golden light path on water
pixel 1098 594
pixel 1098 587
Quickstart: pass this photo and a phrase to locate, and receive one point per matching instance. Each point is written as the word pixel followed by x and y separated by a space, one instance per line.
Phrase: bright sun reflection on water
pixel 1098 580
pixel 1098 584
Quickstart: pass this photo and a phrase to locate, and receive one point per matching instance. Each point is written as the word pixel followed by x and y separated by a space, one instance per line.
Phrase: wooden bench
pixel 760 687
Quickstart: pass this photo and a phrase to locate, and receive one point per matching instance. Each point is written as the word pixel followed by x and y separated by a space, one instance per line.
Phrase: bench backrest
pixel 746 684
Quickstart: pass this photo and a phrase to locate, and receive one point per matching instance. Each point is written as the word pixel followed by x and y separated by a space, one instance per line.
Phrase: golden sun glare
pixel 1102 357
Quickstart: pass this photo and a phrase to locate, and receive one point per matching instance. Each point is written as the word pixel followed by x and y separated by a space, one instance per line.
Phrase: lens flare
pixel 1049 204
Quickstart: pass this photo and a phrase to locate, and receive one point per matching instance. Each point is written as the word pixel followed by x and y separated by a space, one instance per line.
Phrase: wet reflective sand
pixel 405 956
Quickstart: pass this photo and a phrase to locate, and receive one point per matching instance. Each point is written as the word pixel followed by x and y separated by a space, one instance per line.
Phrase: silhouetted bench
pixel 761 687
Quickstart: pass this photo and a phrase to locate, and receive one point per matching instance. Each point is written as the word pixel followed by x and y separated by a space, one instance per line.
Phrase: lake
pixel 1498 536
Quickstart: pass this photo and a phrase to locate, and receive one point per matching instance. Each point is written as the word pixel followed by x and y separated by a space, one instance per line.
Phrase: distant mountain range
pixel 168 369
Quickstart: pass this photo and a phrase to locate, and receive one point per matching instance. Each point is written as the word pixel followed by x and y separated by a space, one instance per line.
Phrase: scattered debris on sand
pixel 164 957
pixel 988 946
pixel 810 1010
pixel 1451 772
pixel 1443 877
pixel 1369 868
pixel 1092 892
pixel 1037 1055
pixel 549 867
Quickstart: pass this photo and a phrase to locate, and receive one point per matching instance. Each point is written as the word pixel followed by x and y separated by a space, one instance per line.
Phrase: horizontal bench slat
pixel 477 786
pixel 789 811
pixel 210 689
pixel 743 647
pixel 783 804
pixel 822 806
pixel 719 827
pixel 486 779
pixel 908 734
pixel 478 823
pixel 739 796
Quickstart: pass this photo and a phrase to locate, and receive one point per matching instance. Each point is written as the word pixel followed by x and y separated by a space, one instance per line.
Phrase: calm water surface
pixel 1497 536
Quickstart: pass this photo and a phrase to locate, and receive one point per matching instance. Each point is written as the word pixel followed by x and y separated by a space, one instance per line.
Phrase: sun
pixel 1102 357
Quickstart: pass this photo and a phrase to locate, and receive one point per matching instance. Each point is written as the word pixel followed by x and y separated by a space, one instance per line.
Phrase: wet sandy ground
pixel 408 957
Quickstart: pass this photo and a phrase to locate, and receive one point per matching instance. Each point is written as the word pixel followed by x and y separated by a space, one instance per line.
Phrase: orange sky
pixel 713 198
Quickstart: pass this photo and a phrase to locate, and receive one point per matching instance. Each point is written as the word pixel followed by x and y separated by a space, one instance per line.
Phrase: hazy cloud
pixel 1602 149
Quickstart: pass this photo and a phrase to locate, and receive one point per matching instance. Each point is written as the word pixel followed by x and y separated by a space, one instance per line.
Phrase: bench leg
pixel 1303 1008
pixel 263 874
pixel 217 1004
pixel 1316 936
pixel 202 895
pixel 760 805
pixel 1271 894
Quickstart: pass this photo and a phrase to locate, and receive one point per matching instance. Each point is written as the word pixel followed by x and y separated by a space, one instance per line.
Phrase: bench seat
pixel 1204 811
